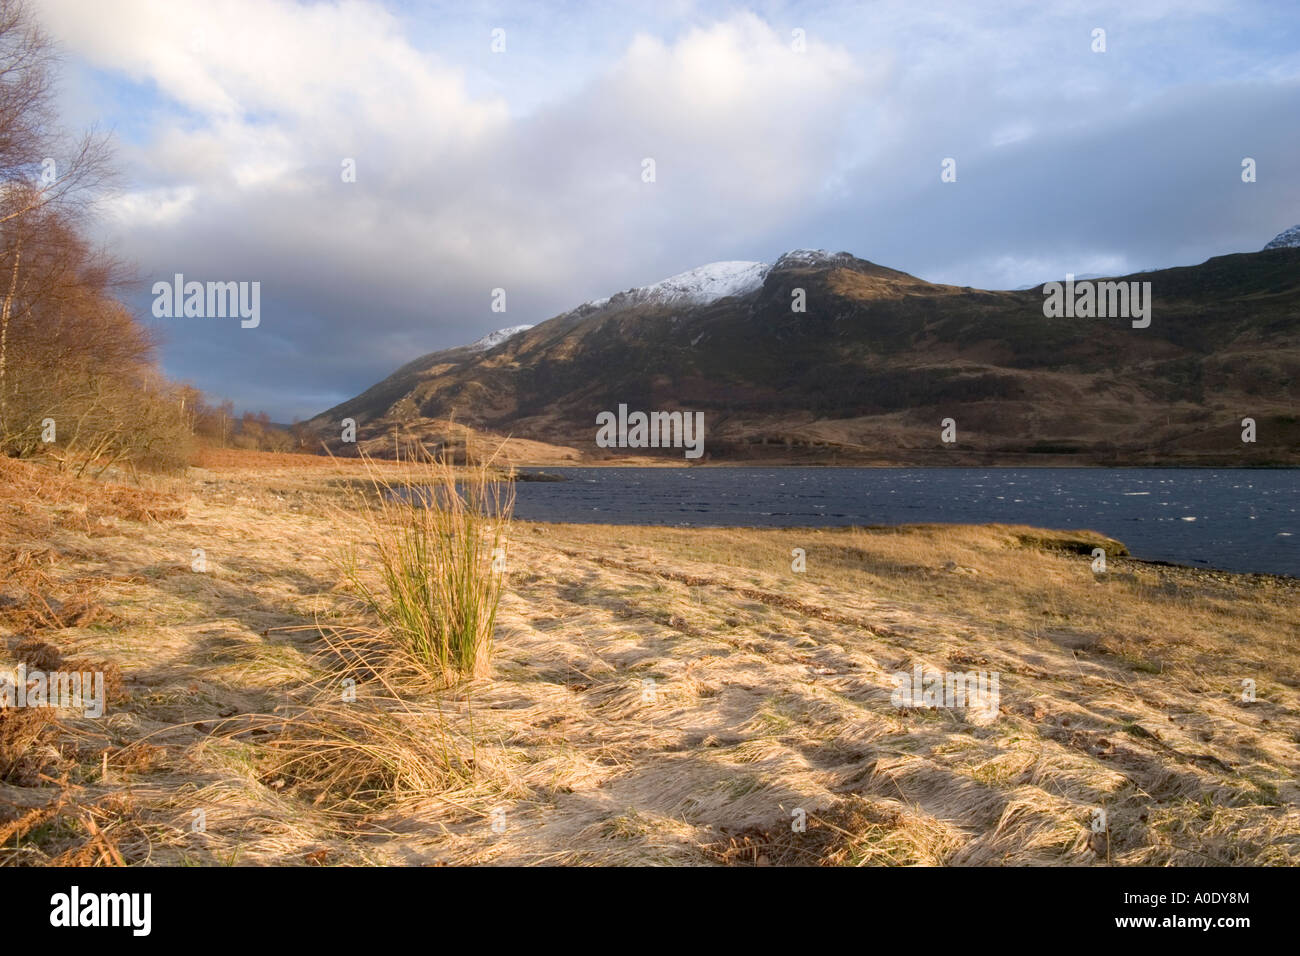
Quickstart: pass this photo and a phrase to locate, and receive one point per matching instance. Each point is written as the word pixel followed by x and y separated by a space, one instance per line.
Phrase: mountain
pixel 1287 239
pixel 873 365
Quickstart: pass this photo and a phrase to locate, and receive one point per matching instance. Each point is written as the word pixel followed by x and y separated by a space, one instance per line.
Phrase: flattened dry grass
pixel 662 696
pixel 1020 582
pixel 369 734
pixel 1120 693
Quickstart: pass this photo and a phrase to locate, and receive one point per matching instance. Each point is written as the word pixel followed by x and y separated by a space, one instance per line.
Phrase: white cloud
pixel 740 124
pixel 164 206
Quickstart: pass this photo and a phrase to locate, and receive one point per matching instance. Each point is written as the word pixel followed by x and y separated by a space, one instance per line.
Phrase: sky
pixel 504 146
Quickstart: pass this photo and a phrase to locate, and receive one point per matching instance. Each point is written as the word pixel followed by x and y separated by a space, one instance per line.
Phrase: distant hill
pixel 877 360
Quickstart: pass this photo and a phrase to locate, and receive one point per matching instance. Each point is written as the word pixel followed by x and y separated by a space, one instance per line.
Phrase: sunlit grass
pixel 439 540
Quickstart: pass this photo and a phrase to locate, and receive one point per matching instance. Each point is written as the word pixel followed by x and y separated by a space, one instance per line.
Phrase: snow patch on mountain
pixel 1290 239
pixel 699 286
pixel 493 339
pixel 708 283
pixel 809 257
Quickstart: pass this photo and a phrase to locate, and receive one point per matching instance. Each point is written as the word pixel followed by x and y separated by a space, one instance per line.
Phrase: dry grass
pixel 240 459
pixel 38 499
pixel 657 696
pixel 438 541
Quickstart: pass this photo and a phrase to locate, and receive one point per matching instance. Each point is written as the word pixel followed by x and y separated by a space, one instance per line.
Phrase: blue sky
pixel 521 169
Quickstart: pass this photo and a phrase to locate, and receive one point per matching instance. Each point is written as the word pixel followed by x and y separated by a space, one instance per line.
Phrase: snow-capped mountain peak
pixel 493 339
pixel 1289 239
pixel 809 257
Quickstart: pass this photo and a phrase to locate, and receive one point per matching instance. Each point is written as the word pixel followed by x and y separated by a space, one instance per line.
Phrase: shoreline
pixel 1113 560
pixel 1055 498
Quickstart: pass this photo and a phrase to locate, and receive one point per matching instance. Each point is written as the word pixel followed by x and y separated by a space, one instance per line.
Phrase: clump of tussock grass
pixel 371 733
pixel 436 533
pixel 366 753
pixel 388 743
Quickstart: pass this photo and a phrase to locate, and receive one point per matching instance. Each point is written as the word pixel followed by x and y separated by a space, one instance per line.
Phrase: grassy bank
pixel 655 695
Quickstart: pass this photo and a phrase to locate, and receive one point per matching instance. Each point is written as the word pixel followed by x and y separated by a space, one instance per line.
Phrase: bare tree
pixel 69 350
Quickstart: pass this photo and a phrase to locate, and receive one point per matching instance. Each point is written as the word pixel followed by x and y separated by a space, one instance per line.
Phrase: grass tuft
pixel 439 538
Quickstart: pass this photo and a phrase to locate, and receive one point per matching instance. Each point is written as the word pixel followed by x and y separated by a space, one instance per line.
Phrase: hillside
pixel 878 359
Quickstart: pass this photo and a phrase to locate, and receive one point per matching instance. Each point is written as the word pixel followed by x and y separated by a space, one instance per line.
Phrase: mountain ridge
pixel 1286 239
pixel 876 360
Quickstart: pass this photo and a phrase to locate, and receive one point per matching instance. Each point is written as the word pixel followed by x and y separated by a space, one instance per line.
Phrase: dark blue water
pixel 1234 519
